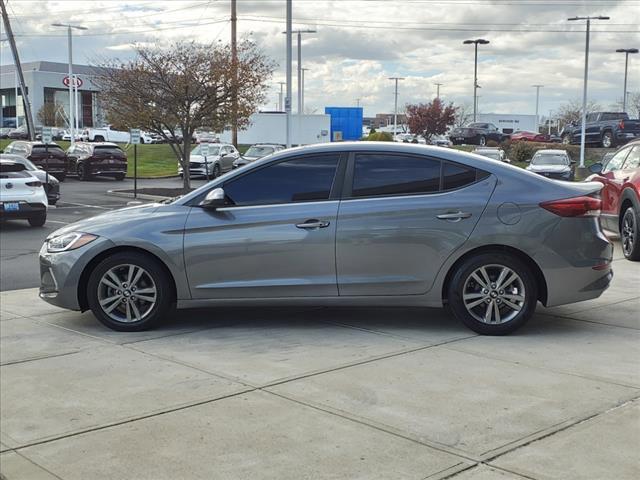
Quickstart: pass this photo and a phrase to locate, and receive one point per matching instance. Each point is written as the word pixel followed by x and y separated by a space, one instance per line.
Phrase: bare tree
pixel 571 112
pixel 464 114
pixel 173 91
pixel 52 115
pixel 633 105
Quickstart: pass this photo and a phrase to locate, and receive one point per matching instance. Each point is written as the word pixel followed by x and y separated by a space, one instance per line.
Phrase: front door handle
pixel 454 216
pixel 309 224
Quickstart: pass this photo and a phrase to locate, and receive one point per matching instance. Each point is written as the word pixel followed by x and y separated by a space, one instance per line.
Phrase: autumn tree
pixel 428 119
pixel 173 91
pixel 51 115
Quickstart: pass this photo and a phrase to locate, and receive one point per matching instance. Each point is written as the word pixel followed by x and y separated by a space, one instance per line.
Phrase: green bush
pixel 523 151
pixel 492 143
pixel 380 137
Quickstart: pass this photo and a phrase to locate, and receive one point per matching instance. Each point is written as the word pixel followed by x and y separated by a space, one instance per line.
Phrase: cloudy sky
pixel 359 44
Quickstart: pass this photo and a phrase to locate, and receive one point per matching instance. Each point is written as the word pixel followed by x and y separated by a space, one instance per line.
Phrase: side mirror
pixel 214 199
pixel 595 168
pixel 573 162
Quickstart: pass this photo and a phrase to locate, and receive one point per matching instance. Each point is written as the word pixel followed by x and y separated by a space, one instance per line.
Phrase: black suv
pixel 87 160
pixel 477 134
pixel 50 158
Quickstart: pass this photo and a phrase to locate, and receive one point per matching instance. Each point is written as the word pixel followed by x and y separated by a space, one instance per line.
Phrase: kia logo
pixel 9 185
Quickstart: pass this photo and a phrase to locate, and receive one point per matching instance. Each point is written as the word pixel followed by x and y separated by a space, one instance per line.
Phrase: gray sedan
pixel 360 223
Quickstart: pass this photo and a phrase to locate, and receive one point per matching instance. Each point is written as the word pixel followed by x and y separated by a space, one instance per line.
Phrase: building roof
pixel 53 67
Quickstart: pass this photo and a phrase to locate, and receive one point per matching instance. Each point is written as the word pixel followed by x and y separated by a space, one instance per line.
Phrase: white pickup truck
pixel 106 134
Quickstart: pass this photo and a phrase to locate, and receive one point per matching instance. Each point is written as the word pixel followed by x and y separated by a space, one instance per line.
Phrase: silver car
pixel 363 223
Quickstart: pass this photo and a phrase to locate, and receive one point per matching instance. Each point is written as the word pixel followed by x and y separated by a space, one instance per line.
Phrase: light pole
pixel 287 100
pixel 626 52
pixel 281 95
pixel 302 96
pixel 537 87
pixel 476 42
pixel 72 80
pixel 586 74
pixel 438 85
pixel 395 107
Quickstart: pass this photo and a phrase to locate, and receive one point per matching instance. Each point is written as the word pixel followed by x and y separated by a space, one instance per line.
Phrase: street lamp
pixel 586 73
pixel 478 41
pixel 626 51
pixel 72 81
pixel 537 87
pixel 395 107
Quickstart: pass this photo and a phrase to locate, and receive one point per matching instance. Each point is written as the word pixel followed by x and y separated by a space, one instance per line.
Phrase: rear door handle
pixel 454 216
pixel 310 224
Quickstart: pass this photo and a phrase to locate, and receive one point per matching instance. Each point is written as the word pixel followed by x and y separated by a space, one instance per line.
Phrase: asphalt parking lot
pixel 20 244
pixel 323 393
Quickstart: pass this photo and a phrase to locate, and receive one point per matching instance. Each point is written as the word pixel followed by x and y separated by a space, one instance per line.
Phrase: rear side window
pixel 616 161
pixel 378 174
pixel 633 160
pixel 456 176
pixel 41 149
pixel 296 180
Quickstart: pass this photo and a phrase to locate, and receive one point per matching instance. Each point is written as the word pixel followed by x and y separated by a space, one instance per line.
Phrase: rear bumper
pixel 27 210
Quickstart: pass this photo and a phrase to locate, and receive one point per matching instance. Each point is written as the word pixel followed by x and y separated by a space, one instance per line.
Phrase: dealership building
pixel 47 83
pixel 510 123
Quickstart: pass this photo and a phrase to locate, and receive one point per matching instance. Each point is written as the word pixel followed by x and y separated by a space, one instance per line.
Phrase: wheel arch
pixel 526 259
pixel 627 199
pixel 86 272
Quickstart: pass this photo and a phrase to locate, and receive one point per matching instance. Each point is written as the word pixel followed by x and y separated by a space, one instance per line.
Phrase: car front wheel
pixel 129 292
pixel 607 140
pixel 493 293
pixel 629 235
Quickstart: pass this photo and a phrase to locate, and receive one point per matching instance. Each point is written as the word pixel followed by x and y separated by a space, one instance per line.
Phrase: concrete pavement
pixel 323 393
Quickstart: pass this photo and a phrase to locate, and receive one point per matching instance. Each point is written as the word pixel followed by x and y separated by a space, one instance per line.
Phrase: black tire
pixel 82 172
pixel 607 140
pixel 53 202
pixel 566 140
pixel 119 177
pixel 216 171
pixel 60 177
pixel 493 262
pixel 38 220
pixel 164 292
pixel 98 138
pixel 482 141
pixel 629 231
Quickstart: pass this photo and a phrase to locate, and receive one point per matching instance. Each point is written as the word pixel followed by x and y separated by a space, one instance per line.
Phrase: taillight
pixel 621 125
pixel 574 207
pixel 34 184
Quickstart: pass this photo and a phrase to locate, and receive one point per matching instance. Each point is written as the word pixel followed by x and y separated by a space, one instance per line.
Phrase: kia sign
pixel 78 82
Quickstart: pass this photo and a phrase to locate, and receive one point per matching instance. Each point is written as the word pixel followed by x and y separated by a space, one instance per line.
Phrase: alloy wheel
pixel 628 232
pixel 494 294
pixel 127 293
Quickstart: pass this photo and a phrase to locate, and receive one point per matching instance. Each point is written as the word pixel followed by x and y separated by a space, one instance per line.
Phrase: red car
pixel 621 196
pixel 524 136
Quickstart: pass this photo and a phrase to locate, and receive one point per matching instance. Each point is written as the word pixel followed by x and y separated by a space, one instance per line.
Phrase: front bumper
pixel 556 175
pixel 60 273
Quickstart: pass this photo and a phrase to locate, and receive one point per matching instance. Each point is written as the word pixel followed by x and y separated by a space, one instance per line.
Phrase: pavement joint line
pixel 378 426
pixel 492 455
pixel 547 369
pixel 449 471
pixel 573 312
pixel 42 357
pixel 85 206
pixel 37 465
pixel 564 317
pixel 137 418
pixel 57 221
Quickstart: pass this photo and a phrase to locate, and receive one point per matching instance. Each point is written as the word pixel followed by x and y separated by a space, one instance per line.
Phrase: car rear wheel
pixel 482 141
pixel 82 172
pixel 38 220
pixel 629 235
pixel 607 140
pixel 119 177
pixel 493 293
pixel 60 177
pixel 129 292
pixel 98 138
pixel 566 140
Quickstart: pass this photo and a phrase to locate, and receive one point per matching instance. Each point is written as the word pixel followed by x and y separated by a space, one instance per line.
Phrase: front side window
pixel 633 160
pixel 379 174
pixel 616 161
pixel 301 179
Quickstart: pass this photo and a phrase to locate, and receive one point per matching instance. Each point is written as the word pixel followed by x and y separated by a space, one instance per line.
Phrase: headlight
pixel 69 241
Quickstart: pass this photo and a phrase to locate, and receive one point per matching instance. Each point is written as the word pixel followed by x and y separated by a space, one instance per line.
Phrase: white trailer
pixel 271 128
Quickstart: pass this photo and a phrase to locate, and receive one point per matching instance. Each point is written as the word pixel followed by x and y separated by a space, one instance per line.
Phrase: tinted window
pixel 41 149
pixel 107 151
pixel 456 176
pixel 297 180
pixel 378 174
pixel 614 116
pixel 616 161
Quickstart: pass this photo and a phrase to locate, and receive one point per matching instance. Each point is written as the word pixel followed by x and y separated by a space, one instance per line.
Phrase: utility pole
pixel 626 51
pixel 357 102
pixel 537 87
pixel 438 89
pixel 234 61
pixel 281 96
pixel 287 100
pixel 479 41
pixel 586 75
pixel 395 106
pixel 549 122
pixel 16 61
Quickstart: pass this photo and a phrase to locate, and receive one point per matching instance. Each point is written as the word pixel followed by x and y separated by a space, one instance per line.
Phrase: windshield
pixel 550 159
pixel 493 155
pixel 213 150
pixel 259 152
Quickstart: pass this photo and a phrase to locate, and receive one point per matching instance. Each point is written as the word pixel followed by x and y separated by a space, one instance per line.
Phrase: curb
pixel 154 178
pixel 141 196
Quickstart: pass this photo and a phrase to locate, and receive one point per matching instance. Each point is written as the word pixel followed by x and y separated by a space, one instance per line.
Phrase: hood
pixel 200 158
pixel 549 168
pixel 109 219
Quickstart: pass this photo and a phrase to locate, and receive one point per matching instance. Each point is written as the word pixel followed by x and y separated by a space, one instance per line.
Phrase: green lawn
pixel 153 160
